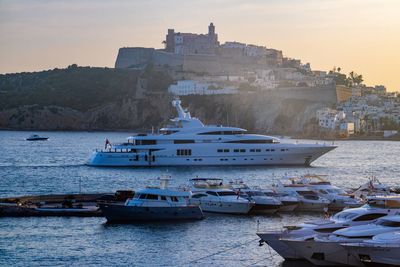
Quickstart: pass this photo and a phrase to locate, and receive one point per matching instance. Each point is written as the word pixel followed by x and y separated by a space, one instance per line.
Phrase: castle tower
pixel 170 41
pixel 211 29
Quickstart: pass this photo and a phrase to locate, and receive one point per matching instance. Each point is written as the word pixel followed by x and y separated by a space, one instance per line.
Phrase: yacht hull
pixel 117 213
pixel 375 255
pixel 273 240
pixel 224 207
pixel 311 206
pixel 322 253
pixel 288 206
pixel 205 155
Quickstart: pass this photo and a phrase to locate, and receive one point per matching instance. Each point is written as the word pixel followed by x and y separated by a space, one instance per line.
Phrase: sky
pixel 357 35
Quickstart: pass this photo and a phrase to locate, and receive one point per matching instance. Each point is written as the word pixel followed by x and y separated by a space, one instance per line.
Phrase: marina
pixel 58 168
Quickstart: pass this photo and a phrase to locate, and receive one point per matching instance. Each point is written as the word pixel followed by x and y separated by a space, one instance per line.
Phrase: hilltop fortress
pixel 201 53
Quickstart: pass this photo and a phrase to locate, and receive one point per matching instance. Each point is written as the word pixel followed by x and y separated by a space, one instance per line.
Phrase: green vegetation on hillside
pixel 80 88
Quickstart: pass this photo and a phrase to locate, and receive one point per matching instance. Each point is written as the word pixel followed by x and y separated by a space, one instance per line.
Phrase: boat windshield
pixel 344 216
pixel 255 193
pixel 226 193
pixel 388 223
pixel 336 191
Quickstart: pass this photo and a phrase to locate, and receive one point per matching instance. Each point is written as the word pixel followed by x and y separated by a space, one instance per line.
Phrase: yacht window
pixel 306 193
pixel 252 150
pixel 242 150
pixel 328 230
pixel 255 193
pixel 227 193
pixel 211 133
pixel 151 196
pixel 267 150
pixel 219 150
pixel 255 141
pixel 142 196
pixel 323 191
pixel 222 133
pixel 282 149
pixel 369 217
pixel 272 150
pixel 226 150
pixel 388 223
pixel 163 198
pixel 311 197
pixel 183 152
pixel 174 199
pixel 258 150
pixel 146 142
pixel 212 193
pixel 236 150
pixel 183 141
pixel 199 195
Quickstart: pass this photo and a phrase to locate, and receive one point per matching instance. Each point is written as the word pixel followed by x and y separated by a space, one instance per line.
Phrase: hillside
pixel 83 98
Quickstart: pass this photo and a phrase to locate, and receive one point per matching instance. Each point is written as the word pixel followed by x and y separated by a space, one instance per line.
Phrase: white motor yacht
pixel 309 200
pixel 213 196
pixel 368 213
pixel 327 250
pixel 339 199
pixel 381 250
pixel 188 142
pixel 263 204
pixel 372 188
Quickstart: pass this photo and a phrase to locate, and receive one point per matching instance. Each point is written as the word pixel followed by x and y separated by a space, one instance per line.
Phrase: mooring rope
pixel 222 251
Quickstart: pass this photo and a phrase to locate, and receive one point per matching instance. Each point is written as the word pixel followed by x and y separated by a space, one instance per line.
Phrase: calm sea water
pixel 57 166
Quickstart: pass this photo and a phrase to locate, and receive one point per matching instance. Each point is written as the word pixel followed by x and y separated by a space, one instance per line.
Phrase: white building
pixel 192 87
pixel 329 118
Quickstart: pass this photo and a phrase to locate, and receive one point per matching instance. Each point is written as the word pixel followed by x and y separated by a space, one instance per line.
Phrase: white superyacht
pixel 188 142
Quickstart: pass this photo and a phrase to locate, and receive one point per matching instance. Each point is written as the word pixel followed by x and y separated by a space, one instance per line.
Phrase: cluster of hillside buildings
pixel 200 64
pixel 362 110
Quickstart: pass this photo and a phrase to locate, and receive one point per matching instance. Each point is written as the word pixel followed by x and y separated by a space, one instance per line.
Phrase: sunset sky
pixel 358 35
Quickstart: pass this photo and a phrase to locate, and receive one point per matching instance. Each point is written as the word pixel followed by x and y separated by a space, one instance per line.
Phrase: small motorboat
pixel 36 137
pixel 153 204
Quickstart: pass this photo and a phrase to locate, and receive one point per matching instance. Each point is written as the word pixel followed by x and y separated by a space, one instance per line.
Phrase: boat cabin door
pixel 149 157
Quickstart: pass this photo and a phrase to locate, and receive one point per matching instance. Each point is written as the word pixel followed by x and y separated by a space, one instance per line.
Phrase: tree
pixel 355 79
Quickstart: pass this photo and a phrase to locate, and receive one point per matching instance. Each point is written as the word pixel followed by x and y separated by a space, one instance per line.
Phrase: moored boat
pixel 153 204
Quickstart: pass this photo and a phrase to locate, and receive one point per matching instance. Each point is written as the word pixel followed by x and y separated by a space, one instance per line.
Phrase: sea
pixel 58 166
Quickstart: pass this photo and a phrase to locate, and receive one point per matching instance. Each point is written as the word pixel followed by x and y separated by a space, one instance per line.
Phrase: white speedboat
pixel 36 137
pixel 213 196
pixel 309 200
pixel 381 250
pixel 263 204
pixel 368 213
pixel 327 250
pixel 153 204
pixel 188 142
pixel 339 199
